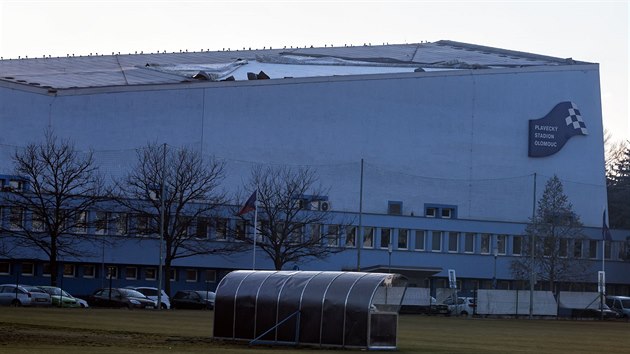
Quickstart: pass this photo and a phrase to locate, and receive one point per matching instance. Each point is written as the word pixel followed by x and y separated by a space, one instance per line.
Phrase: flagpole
pixel 604 234
pixel 255 229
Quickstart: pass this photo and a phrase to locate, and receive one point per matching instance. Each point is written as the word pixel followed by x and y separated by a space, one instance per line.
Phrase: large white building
pixel 445 130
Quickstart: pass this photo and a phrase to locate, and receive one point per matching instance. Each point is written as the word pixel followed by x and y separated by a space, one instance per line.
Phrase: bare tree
pixel 618 184
pixel 191 195
pixel 615 152
pixel 288 231
pixel 558 240
pixel 48 204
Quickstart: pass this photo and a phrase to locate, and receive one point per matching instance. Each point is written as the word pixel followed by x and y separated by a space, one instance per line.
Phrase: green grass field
pixel 69 331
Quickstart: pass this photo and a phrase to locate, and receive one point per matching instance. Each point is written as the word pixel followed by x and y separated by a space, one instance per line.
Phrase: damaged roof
pixel 92 71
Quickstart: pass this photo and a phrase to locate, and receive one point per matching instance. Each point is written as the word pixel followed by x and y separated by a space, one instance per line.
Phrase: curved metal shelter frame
pixel 331 309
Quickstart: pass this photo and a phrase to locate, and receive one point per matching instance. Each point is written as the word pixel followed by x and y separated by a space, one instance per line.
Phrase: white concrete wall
pixel 457 138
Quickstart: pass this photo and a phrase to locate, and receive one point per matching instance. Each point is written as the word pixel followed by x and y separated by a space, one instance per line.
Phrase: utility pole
pixel 532 276
pixel 359 236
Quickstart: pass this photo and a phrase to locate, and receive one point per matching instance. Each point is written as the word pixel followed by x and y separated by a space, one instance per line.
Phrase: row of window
pixel 224 229
pixel 470 242
pixel 112 271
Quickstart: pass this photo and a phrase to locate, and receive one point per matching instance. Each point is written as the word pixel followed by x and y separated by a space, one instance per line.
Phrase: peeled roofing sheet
pixel 107 70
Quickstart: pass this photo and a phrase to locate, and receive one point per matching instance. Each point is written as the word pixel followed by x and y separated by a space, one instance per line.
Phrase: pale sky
pixel 592 31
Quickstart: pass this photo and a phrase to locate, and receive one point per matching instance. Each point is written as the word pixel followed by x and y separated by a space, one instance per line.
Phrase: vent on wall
pixel 394 208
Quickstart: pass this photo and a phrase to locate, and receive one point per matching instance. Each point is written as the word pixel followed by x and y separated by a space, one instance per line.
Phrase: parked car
pixel 619 304
pixel 152 293
pixel 120 297
pixel 464 306
pixel 595 312
pixel 23 295
pixel 433 309
pixel 57 295
pixel 193 299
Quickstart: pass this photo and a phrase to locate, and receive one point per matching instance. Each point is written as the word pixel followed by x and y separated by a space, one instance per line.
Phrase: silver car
pixel 152 293
pixel 464 306
pixel 23 295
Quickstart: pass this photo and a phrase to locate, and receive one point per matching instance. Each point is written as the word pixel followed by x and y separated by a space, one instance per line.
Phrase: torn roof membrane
pixel 175 68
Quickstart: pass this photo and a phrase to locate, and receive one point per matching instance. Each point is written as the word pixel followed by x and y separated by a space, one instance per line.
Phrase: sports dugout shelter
pixel 325 309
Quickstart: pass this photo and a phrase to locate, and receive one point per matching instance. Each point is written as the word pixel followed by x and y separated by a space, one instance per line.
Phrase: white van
pixel 620 304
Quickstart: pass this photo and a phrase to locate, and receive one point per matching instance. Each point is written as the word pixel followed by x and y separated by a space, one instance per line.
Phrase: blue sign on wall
pixel 548 134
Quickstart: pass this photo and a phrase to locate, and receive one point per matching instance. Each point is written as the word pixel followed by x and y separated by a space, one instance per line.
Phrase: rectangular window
pixel 563 251
pixel 577 249
pixel 592 249
pixel 89 271
pixel 150 273
pixel 296 235
pixel 131 273
pixel 201 228
pixel 386 237
pixel 5 268
pixel 220 229
pixel 623 251
pixel 436 241
pixel 368 237
pixel 332 236
pixel 447 213
pixel 112 272
pixel 607 250
pixel 100 222
pixel 28 269
pixel 241 230
pixel 37 222
pixel 69 271
pixel 315 232
pixel 469 243
pixel 394 208
pixel 430 212
pixel 453 241
pixel 184 226
pixel 517 245
pixel 211 276
pixel 486 239
pixel 191 275
pixel 16 185
pixel 143 227
pixel 351 236
pixel 172 276
pixel 403 239
pixel 548 246
pixel 46 270
pixel 16 218
pixel 501 244
pixel 419 238
pixel 122 223
pixel 80 222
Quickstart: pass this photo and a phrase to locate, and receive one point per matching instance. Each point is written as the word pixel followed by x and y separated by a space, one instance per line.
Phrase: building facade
pixel 441 148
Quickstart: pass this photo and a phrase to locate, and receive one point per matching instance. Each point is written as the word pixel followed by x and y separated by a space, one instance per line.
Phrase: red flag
pixel 250 205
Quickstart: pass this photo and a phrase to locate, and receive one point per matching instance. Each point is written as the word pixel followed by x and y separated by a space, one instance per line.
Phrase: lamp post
pixel 161 260
pixel 494 275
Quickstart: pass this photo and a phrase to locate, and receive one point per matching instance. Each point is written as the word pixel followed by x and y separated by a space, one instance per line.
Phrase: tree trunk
pixel 166 276
pixel 54 266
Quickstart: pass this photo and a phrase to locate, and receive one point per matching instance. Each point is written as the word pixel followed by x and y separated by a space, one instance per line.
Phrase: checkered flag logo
pixel 547 135
pixel 574 119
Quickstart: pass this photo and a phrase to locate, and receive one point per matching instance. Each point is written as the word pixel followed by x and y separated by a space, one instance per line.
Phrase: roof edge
pixel 569 61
